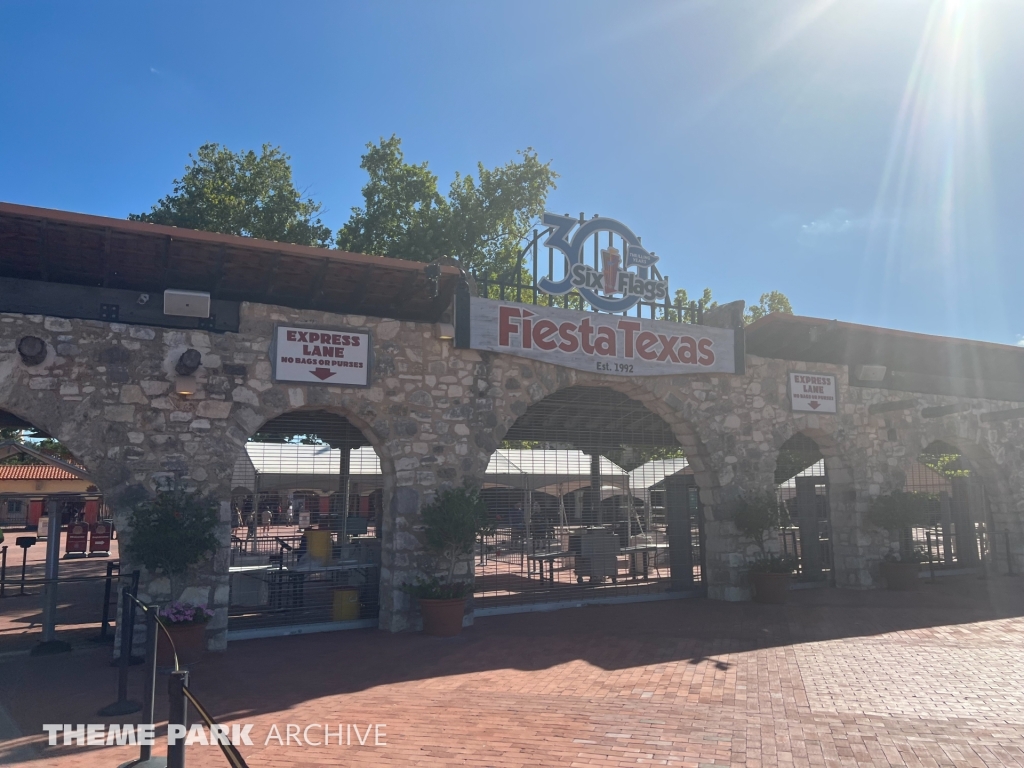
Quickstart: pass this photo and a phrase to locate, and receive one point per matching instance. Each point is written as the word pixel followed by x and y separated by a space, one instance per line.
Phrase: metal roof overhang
pixel 51 246
pixel 914 362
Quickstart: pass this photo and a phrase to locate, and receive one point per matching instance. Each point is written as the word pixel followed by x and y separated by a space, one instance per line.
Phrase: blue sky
pixel 866 157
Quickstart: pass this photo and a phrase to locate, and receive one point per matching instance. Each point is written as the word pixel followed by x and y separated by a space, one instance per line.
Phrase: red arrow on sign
pixel 323 373
pixel 814 404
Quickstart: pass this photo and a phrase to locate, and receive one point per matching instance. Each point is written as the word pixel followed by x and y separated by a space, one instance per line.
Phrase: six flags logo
pixel 613 278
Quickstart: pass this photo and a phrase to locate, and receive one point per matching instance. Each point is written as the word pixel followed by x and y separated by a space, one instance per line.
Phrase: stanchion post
pixel 931 561
pixel 24 560
pixel 177 714
pixel 1009 554
pixel 122 706
pixel 146 750
pixel 3 569
pixel 105 623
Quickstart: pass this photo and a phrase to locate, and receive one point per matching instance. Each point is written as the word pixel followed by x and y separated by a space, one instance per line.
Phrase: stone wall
pixel 434 414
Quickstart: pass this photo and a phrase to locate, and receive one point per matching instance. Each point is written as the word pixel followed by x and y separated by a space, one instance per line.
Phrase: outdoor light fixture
pixel 32 350
pixel 186 303
pixel 185 385
pixel 187 365
pixel 445 331
pixel 870 372
pixel 188 362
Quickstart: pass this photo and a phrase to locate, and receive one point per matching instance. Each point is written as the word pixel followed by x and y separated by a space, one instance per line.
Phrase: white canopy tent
pixel 644 478
pixel 291 466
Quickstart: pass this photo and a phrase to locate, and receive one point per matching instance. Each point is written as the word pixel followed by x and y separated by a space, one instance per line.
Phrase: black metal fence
pixel 519 282
pixel 299 578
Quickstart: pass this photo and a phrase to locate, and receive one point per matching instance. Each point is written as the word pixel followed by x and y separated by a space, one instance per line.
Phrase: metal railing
pixel 178 692
pixel 519 283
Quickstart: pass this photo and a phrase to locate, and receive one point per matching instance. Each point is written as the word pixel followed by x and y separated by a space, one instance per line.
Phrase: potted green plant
pixel 452 522
pixel 186 625
pixel 898 512
pixel 756 517
pixel 170 533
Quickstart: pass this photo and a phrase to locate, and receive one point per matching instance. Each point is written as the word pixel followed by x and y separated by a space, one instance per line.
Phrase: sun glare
pixel 933 209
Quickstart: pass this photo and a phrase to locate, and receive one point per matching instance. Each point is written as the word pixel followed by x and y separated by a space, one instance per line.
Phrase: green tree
pixel 481 222
pixel 774 301
pixel 241 193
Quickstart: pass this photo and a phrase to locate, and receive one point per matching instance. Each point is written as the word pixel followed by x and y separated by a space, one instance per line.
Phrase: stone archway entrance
pixel 957 531
pixel 589 497
pixel 58 539
pixel 801 480
pixel 307 513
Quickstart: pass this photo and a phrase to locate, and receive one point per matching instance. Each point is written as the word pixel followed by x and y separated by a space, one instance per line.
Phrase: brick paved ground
pixel 835 678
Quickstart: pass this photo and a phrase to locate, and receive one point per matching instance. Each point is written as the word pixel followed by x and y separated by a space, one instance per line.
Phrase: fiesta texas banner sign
pixel 624 346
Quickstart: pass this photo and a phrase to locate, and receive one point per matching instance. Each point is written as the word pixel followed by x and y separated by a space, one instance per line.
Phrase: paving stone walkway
pixel 834 678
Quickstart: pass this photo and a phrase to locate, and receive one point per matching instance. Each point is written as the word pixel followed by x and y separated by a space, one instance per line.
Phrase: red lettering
pixel 645 345
pixel 336 339
pixel 303 336
pixel 290 335
pixel 355 341
pixel 629 329
pixel 688 350
pixel 543 330
pixel 604 344
pixel 586 331
pixel 569 343
pixel 668 351
pixel 527 329
pixel 707 355
pixel 506 326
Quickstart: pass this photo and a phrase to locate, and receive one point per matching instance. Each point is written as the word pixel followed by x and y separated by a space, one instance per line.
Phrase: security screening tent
pixel 292 466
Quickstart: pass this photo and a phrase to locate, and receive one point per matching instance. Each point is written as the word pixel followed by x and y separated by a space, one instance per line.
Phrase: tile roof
pixel 34 472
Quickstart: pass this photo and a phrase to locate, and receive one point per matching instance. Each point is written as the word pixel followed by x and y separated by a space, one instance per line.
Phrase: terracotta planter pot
pixel 443 618
pixel 770 587
pixel 901 576
pixel 189 642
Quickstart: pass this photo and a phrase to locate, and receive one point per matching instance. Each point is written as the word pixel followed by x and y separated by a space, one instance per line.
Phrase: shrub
pixel 774 564
pixel 897 513
pixel 758 515
pixel 453 520
pixel 172 531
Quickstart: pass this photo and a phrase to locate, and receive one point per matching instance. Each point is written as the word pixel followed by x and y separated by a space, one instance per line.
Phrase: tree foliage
pixel 756 516
pixel 773 301
pixel 38 440
pixel 241 193
pixel 172 531
pixel 481 222
pixel 452 521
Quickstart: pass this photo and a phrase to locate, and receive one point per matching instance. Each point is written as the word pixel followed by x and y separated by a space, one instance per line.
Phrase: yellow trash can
pixel 346 605
pixel 318 545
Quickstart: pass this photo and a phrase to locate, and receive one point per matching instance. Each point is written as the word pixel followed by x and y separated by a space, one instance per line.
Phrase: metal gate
pixel 305 543
pixel 588 498
pixel 802 487
pixel 956 533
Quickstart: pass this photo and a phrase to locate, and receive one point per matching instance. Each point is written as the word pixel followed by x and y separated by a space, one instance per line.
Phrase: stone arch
pixel 845 519
pixel 998 508
pixel 669 404
pixel 353 423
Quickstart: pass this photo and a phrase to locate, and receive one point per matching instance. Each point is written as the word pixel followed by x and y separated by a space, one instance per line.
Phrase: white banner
pixel 321 356
pixel 623 346
pixel 813 392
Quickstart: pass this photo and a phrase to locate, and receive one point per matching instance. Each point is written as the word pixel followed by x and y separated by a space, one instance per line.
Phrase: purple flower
pixel 184 613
